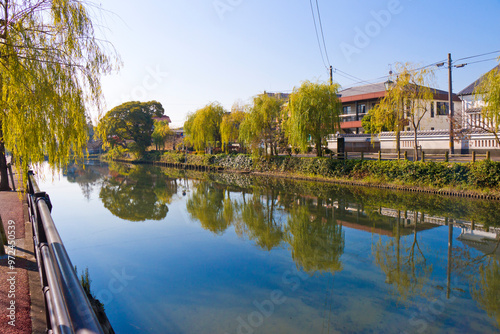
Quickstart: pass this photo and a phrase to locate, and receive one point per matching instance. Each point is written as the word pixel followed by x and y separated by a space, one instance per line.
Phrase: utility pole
pixel 450 102
pixel 331 75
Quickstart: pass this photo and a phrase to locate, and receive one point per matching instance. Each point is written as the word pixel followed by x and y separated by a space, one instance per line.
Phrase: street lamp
pixel 388 85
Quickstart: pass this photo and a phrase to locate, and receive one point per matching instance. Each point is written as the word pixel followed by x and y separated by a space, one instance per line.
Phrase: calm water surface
pixel 170 251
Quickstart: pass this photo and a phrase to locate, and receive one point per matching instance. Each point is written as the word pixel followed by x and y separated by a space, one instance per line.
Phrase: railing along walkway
pixel 67 306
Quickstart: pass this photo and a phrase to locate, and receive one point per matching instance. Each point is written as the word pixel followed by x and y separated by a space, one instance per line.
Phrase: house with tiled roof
pixel 358 101
pixel 471 105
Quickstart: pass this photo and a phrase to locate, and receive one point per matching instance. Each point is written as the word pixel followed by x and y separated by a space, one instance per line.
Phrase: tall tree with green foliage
pixel 51 64
pixel 230 127
pixel 488 91
pixel 314 110
pixel 202 128
pixel 261 126
pixel 160 133
pixel 188 128
pixel 130 121
pixel 405 103
pixel 370 127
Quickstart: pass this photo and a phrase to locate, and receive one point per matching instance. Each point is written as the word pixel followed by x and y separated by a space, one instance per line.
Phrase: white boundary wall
pixel 436 141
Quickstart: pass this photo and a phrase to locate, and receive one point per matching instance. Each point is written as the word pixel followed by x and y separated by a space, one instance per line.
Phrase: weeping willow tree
pixel 202 128
pixel 314 110
pixel 230 127
pixel 405 103
pixel 488 92
pixel 261 124
pixel 50 68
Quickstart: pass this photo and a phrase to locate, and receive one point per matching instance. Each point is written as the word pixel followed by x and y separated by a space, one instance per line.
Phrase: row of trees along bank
pixel 274 125
pixel 270 123
pixel 43 109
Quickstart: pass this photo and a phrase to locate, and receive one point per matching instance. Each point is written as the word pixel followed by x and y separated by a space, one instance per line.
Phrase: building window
pixel 442 108
pixel 347 110
pixel 432 110
pixel 432 128
pixel 361 109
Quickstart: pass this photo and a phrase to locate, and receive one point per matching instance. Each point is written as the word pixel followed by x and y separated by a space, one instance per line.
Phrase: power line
pixel 484 54
pixel 322 48
pixel 317 35
pixel 436 63
pixel 370 81
pixel 322 34
pixel 349 76
pixel 481 61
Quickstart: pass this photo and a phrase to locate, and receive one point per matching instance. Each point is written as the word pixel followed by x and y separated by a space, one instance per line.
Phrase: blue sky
pixel 188 53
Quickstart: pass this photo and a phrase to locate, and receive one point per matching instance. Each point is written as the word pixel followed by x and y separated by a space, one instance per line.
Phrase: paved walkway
pixel 21 299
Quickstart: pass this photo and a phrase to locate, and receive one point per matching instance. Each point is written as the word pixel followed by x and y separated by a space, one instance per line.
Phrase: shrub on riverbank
pixel 479 175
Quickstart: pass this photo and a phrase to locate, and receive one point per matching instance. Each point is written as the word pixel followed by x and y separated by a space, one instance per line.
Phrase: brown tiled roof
pixel 377 90
pixel 362 90
pixel 162 118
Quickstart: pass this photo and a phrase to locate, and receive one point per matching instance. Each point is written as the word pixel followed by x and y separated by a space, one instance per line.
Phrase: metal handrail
pixel 68 308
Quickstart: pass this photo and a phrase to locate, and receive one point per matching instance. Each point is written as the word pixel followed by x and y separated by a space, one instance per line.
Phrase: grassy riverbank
pixel 481 177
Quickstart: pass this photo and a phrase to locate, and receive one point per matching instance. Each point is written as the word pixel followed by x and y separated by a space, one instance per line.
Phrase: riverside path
pixel 21 299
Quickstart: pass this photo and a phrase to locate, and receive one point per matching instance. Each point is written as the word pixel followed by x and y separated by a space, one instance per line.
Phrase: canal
pixel 173 251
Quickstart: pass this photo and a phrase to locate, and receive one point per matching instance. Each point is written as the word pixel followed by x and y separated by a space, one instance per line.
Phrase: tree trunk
pixel 415 144
pixel 318 148
pixel 4 177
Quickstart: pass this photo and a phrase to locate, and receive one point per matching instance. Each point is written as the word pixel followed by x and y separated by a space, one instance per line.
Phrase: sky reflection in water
pixel 176 252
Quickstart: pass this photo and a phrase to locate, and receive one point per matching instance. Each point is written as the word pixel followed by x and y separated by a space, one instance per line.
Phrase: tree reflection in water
pixel 270 217
pixel 137 193
pixel 309 220
pixel 209 205
pixel 404 264
pixel 315 239
pixel 87 177
pixel 482 274
pixel 260 220
pixel 486 288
